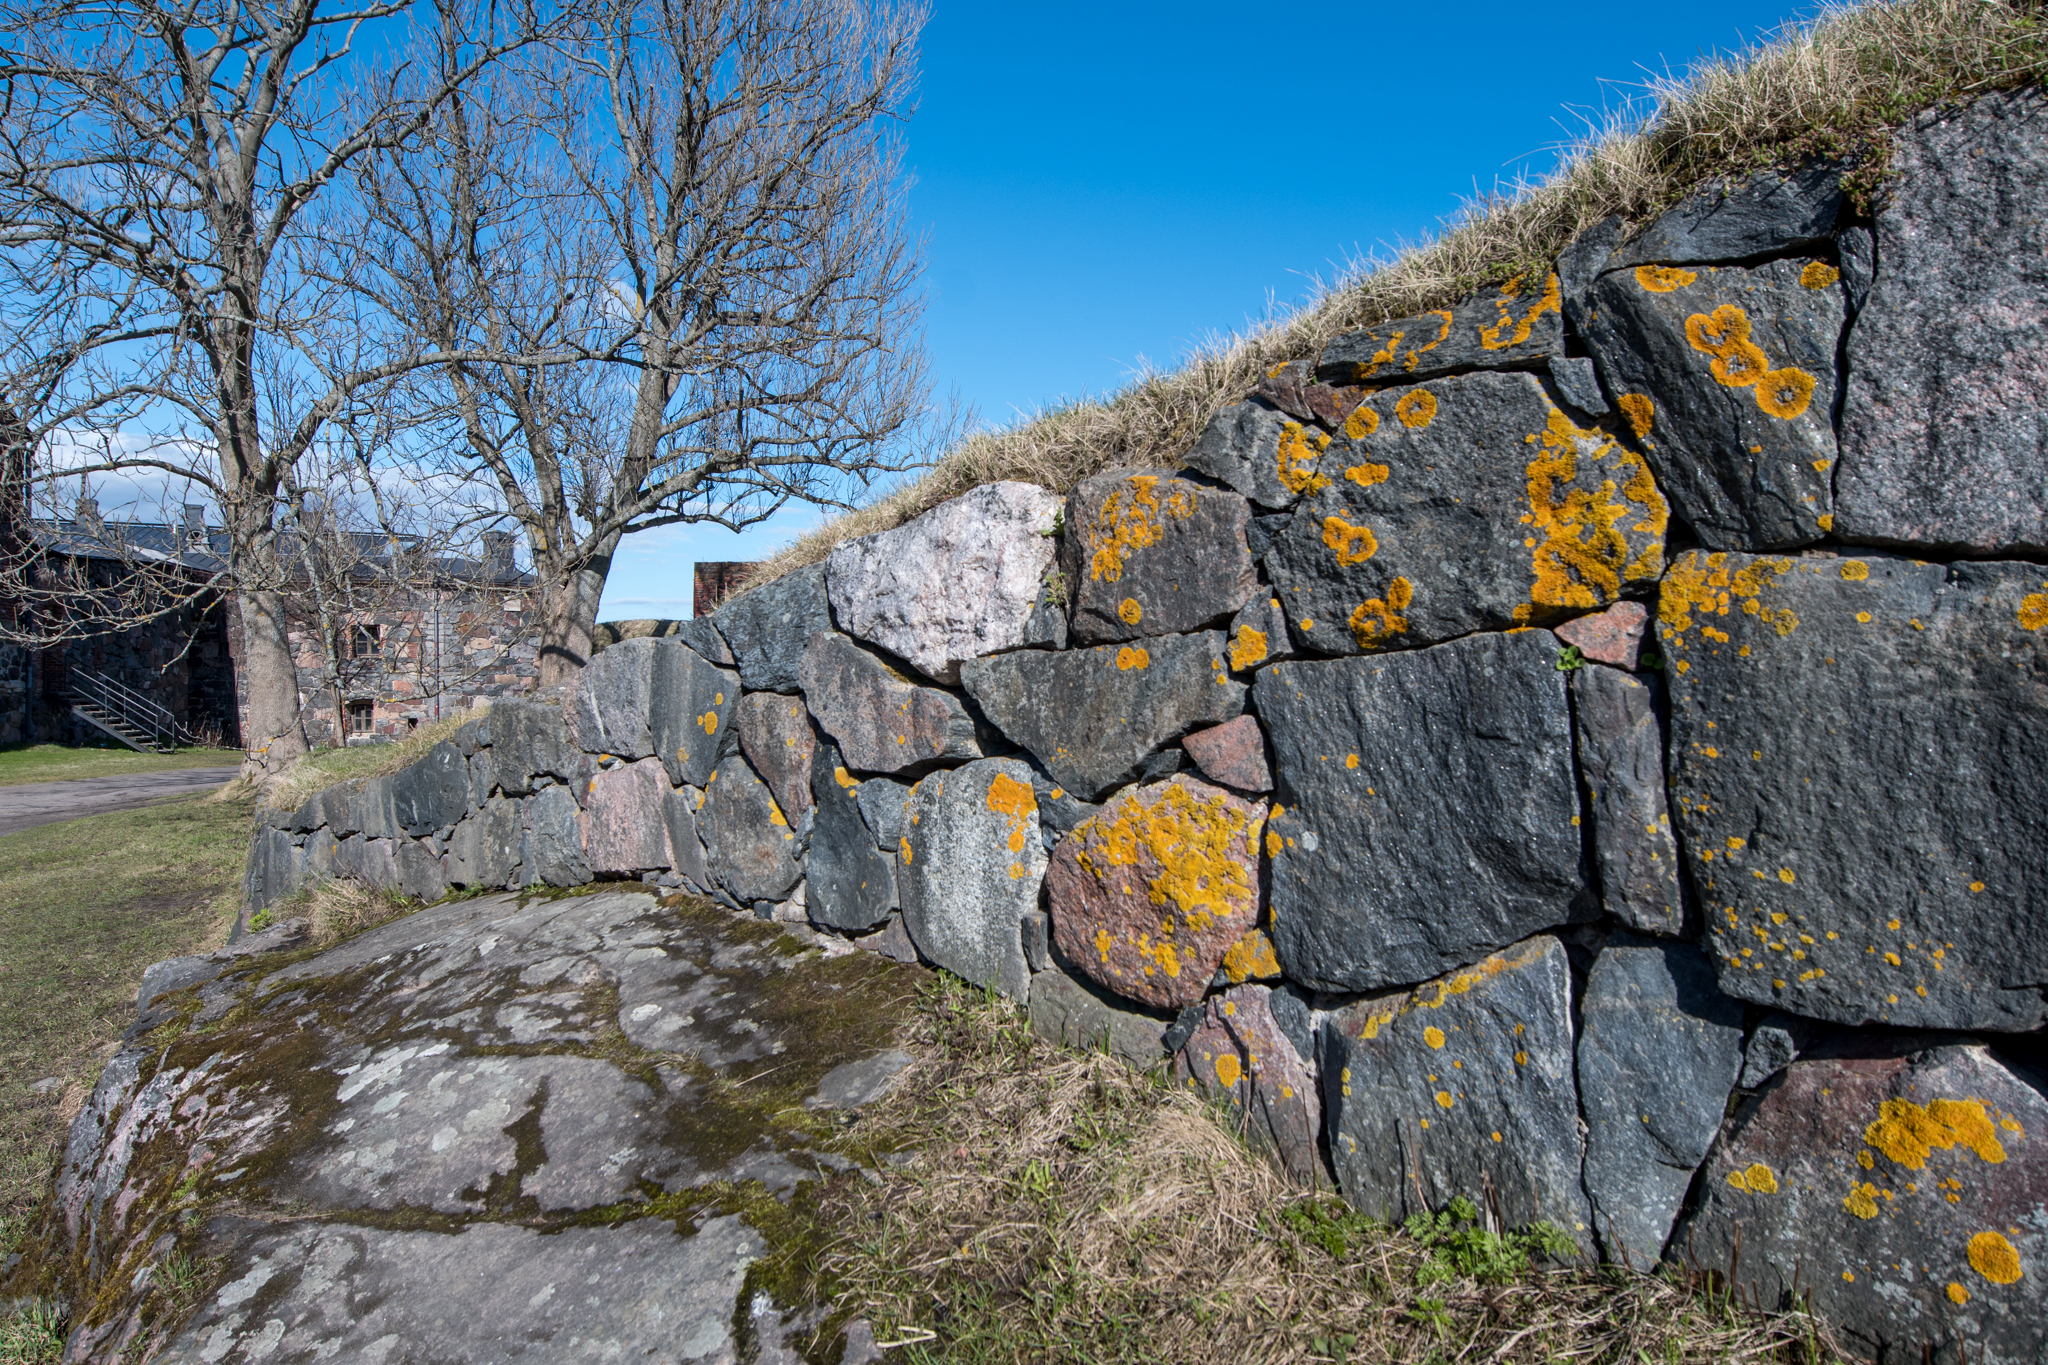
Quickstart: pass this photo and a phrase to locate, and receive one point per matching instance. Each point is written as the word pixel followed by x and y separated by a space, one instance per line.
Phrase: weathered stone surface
pixel 1621 759
pixel 892 941
pixel 953 584
pixel 1267 456
pixel 776 736
pixel 613 699
pixel 528 739
pixel 431 793
pixel 1517 324
pixel 750 845
pixel 553 849
pixel 276 868
pixel 971 865
pixel 365 1294
pixel 1614 636
pixel 1581 262
pixel 1148 896
pixel 1944 442
pixel 701 636
pixel 1047 626
pixel 852 882
pixel 1657 1058
pixel 1292 389
pixel 1901 1186
pixel 420 873
pixel 679 813
pixel 1261 534
pixel 1425 811
pixel 1857 748
pixel 1470 504
pixel 1728 377
pixel 881 719
pixel 1772 211
pixel 1059 810
pixel 1066 1011
pixel 1774 1044
pixel 1856 252
pixel 1148 554
pixel 1233 753
pixel 371 861
pixel 857 1083
pixel 1092 716
pixel 881 809
pixel 1239 1054
pixel 1577 380
pixel 1259 634
pixel 623 829
pixel 1462 1087
pixel 691 723
pixel 484 850
pixel 768 626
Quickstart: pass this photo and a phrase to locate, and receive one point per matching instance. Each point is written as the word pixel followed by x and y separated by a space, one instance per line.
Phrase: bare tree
pixel 160 166
pixel 701 203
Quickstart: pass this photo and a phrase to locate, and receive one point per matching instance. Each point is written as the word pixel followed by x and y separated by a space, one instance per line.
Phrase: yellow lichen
pixel 1434 1036
pixel 1579 552
pixel 1251 958
pixel 1248 648
pixel 1703 583
pixel 1368 474
pixel 708 722
pixel 1362 423
pixel 1009 797
pixel 1862 1200
pixel 1228 1070
pixel 1513 331
pixel 1854 571
pixel 1639 410
pixel 905 843
pixel 1351 544
pixel 1417 409
pixel 1819 275
pixel 1757 1178
pixel 1297 462
pixel 2034 611
pixel 1132 518
pixel 1129 658
pixel 1740 363
pixel 1377 620
pixel 1129 612
pixel 845 778
pixel 1662 279
pixel 1957 1294
pixel 1194 842
pixel 1785 393
pixel 1996 1259
pixel 1443 1099
pixel 1906 1133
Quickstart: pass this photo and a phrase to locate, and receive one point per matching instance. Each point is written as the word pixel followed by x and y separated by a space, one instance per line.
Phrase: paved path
pixel 45 803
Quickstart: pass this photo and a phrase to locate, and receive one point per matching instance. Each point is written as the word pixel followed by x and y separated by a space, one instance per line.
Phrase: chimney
pixel 87 513
pixel 192 526
pixel 498 564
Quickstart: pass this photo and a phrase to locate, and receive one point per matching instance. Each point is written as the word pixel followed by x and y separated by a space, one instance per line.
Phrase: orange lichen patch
pixel 1131 519
pixel 1274 846
pixel 1009 797
pixel 1756 1177
pixel 1702 582
pixel 1717 334
pixel 1854 571
pixel 1351 544
pixel 1297 461
pixel 1129 611
pixel 1417 409
pixel 1351 761
pixel 1957 1295
pixel 1579 552
pixel 1251 958
pixel 1906 1133
pixel 1996 1259
pixel 1378 620
pixel 1742 366
pixel 1229 1071
pixel 1862 1200
pixel 1192 840
pixel 1128 659
pixel 1434 1036
pixel 1511 330
pixel 1248 648
pixel 905 843
pixel 1443 1099
pixel 1662 279
pixel 1368 474
pixel 1639 410
pixel 845 778
pixel 1362 423
pixel 1785 393
pixel 775 814
pixel 2034 611
pixel 1819 275
pixel 708 722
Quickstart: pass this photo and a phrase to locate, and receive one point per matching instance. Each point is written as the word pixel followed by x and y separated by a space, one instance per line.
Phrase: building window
pixel 362 717
pixel 365 642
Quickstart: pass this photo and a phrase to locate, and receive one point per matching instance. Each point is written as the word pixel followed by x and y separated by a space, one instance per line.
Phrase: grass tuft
pixel 1836 85
pixel 324 767
pixel 31 1333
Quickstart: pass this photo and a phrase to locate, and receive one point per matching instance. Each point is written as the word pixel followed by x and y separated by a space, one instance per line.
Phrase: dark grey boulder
pixel 776 735
pixel 852 882
pixel 432 793
pixel 613 699
pixel 1857 751
pixel 484 850
pixel 1945 425
pixel 1468 504
pixel 750 848
pixel 882 719
pixel 881 809
pixel 420 872
pixel 1621 759
pixel 162 980
pixel 972 862
pixel 1578 381
pixel 679 813
pixel 1069 1012
pixel 1059 810
pixel 1515 324
pixel 1093 716
pixel 691 720
pixel 892 941
pixel 275 869
pixel 1764 214
pixel 1148 554
pixel 1046 627
pixel 1264 530
pixel 529 739
pixel 1425 810
pixel 1462 1087
pixel 1728 377
pixel 369 861
pixel 1856 254
pixel 1267 456
pixel 767 627
pixel 376 815
pixel 1658 1054
pixel 1774 1044
pixel 702 637
pixel 553 848
pixel 1581 262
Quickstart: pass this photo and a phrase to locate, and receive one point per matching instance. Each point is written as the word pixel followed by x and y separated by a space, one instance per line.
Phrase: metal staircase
pixel 143 725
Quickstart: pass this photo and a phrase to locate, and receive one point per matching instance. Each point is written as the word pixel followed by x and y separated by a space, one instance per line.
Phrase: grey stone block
pixel 852 882
pixel 484 850
pixel 883 719
pixel 1764 214
pixel 1146 553
pixel 750 849
pixel 767 627
pixel 1267 456
pixel 553 848
pixel 971 866
pixel 1774 1044
pixel 1065 1011
pixel 1512 325
pixel 1621 759
pixel 420 873
pixel 432 793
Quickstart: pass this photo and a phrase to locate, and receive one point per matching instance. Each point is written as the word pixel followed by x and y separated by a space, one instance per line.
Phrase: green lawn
pixel 85 905
pixel 55 763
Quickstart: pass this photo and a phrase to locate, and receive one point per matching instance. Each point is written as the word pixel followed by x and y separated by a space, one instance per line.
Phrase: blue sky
pixel 1105 184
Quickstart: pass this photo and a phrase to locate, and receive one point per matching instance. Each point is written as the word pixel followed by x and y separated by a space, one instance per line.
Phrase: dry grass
pixel 1834 86
pixel 324 767
pixel 1062 1207
pixel 342 909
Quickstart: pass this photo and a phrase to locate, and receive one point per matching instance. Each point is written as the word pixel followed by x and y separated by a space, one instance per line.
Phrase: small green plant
pixel 31 1333
pixel 1056 589
pixel 1462 1250
pixel 1652 660
pixel 1337 1348
pixel 1570 658
pixel 1330 1224
pixel 261 920
pixel 1059 523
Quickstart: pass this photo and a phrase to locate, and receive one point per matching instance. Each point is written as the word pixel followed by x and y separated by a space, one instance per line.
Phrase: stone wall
pixel 1582 750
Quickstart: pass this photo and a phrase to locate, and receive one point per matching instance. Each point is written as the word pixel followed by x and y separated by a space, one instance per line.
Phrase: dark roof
pixel 157 542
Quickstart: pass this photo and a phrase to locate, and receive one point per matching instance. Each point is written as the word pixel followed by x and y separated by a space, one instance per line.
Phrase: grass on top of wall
pixel 1834 86
pixel 323 768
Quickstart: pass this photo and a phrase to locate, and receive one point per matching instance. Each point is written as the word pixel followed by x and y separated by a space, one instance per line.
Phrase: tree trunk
pixel 569 621
pixel 274 736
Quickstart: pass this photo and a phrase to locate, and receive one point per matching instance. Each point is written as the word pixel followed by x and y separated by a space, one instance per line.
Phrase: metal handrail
pixel 130 707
